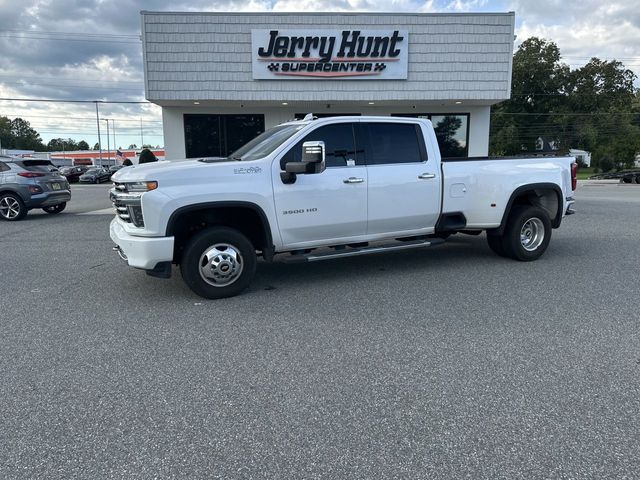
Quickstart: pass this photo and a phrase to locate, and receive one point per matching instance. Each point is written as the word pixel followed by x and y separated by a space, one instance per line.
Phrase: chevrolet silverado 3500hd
pixel 327 188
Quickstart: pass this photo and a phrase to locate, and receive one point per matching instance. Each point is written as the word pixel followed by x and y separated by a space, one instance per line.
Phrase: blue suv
pixel 26 184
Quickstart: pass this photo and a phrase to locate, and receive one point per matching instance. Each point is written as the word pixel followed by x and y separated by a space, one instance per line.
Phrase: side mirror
pixel 312 162
pixel 313 154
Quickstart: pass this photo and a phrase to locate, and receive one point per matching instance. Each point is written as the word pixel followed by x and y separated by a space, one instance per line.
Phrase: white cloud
pixel 583 29
pixel 57 69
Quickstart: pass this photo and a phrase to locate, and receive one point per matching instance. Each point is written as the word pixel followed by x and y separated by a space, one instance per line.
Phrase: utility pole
pixel 98 122
pixel 113 129
pixel 108 145
pixel 141 134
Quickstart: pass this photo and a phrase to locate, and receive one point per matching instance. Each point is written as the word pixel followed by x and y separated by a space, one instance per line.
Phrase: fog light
pixel 136 216
pixel 35 189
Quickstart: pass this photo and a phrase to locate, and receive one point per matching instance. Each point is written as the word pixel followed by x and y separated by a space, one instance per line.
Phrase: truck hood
pixel 169 169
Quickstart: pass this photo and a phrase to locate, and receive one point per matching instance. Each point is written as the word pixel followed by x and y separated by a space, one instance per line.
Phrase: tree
pixel 96 146
pixel 62 144
pixel 82 145
pixel 445 131
pixel 538 84
pixel 133 146
pixel 6 138
pixel 595 107
pixel 147 156
pixel 18 134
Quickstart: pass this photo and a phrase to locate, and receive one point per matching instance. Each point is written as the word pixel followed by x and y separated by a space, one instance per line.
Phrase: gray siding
pixel 208 57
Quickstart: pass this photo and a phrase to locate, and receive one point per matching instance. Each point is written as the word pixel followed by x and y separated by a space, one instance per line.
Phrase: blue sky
pixel 89 49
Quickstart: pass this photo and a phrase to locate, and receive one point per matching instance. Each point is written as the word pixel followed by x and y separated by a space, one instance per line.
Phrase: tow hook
pixel 120 253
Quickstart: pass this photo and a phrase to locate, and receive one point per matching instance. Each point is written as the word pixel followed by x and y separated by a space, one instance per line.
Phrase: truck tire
pixel 496 245
pixel 12 208
pixel 218 262
pixel 527 234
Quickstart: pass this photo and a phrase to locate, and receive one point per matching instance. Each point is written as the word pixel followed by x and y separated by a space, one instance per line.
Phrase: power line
pixel 586 114
pixel 88 133
pixel 21 77
pixel 77 34
pixel 84 40
pixel 70 85
pixel 49 100
pixel 88 119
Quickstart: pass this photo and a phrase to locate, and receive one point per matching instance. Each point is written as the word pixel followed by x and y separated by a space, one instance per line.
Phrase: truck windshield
pixel 265 143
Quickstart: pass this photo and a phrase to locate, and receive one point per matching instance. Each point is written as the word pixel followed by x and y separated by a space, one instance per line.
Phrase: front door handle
pixel 353 180
pixel 426 176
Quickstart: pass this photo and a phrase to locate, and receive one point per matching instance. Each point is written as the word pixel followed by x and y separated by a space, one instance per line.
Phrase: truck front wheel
pixel 218 262
pixel 527 234
pixel 496 243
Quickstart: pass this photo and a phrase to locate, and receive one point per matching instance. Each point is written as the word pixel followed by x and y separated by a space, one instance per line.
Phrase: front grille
pixel 127 205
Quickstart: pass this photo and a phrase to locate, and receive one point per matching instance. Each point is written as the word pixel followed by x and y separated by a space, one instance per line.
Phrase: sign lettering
pixel 332 54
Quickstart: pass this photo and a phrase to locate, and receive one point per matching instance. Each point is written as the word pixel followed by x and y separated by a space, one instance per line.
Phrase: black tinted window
pixel 393 143
pixel 338 142
pixel 3 167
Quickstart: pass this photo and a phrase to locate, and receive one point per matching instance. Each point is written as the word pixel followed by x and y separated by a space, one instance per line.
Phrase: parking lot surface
pixel 441 363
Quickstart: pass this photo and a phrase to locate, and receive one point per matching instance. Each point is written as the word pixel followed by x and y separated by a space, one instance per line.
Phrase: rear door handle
pixel 426 176
pixel 353 180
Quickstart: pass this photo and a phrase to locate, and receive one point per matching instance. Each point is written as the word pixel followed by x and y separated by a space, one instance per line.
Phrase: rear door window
pixel 391 143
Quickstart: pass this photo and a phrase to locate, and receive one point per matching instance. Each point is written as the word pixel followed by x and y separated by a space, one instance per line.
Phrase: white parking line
pixel 104 211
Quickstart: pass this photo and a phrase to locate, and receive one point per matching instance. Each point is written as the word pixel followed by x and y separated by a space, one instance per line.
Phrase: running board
pixel 354 252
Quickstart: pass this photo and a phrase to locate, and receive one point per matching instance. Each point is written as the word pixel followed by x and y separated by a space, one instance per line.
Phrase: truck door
pixel 404 185
pixel 328 206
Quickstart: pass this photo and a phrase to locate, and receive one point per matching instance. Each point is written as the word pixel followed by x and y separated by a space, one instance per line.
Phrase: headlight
pixel 141 186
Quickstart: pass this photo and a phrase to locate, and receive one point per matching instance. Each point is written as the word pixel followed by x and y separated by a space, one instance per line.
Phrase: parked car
pixel 73 174
pixel 303 192
pixel 115 168
pixel 95 175
pixel 28 184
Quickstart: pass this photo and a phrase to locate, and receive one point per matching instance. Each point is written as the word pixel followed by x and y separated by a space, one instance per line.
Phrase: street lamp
pixel 113 131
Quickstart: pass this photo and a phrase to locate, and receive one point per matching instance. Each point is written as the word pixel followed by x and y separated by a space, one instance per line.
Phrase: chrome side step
pixel 353 252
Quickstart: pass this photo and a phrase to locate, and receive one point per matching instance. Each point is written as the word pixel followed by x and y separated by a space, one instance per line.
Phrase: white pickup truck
pixel 321 189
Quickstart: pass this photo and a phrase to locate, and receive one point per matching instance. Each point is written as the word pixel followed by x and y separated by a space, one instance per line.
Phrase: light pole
pixel 98 123
pixel 108 145
pixel 113 130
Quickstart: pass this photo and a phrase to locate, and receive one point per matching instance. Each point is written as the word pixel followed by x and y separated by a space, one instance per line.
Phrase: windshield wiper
pixel 239 159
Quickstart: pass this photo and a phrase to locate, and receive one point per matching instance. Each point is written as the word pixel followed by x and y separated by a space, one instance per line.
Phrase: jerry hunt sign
pixel 329 54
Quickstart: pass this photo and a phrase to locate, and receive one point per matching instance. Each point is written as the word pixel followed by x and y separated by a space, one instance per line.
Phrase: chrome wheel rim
pixel 221 264
pixel 532 234
pixel 9 207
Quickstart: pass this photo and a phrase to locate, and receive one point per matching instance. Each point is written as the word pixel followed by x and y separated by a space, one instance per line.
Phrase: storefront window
pixel 219 135
pixel 452 131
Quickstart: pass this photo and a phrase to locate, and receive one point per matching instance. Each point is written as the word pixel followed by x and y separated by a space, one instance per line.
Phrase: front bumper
pixel 141 252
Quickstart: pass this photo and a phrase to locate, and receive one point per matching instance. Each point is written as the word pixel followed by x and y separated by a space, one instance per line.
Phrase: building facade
pixel 223 78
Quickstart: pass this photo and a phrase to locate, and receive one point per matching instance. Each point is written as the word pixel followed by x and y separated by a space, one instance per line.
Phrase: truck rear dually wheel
pixel 527 234
pixel 218 262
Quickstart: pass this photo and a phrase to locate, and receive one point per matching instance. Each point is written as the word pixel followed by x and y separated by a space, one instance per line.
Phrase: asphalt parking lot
pixel 444 363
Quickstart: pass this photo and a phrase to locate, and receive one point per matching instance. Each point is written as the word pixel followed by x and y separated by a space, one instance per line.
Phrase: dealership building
pixel 223 78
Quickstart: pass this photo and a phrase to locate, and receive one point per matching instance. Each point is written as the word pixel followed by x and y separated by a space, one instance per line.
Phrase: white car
pixel 326 188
